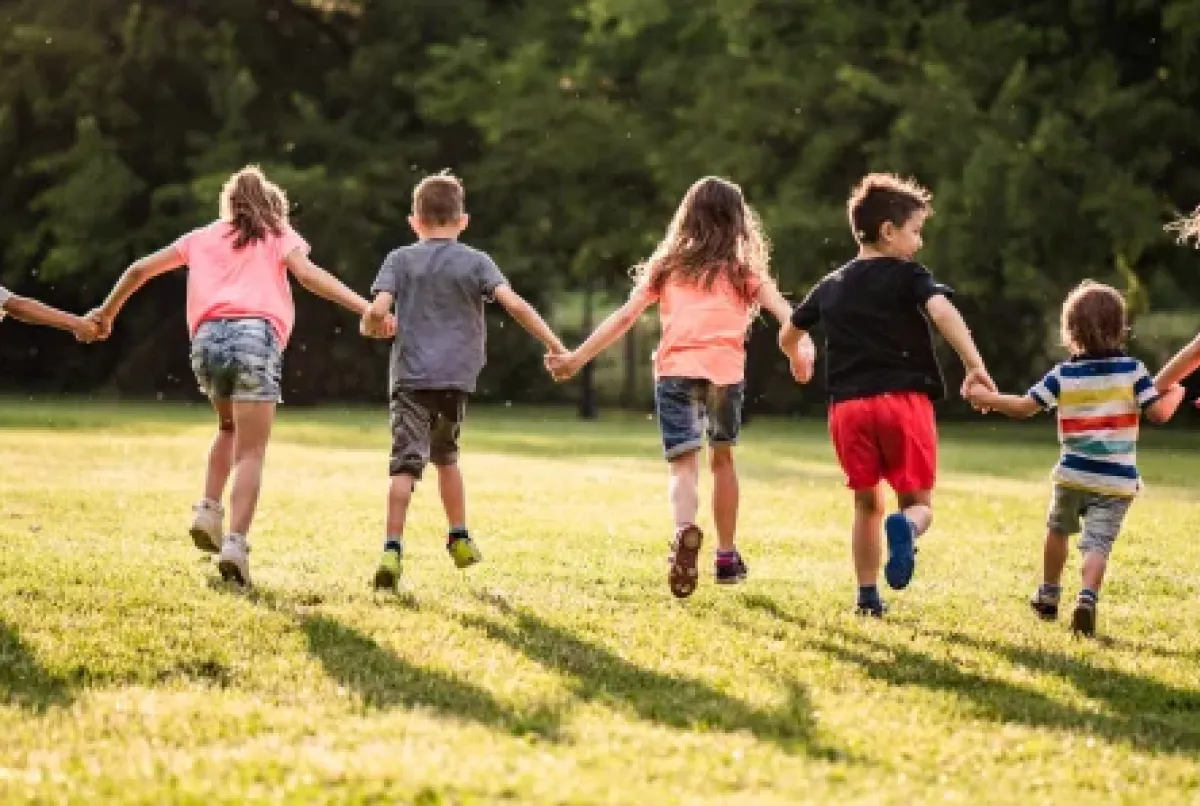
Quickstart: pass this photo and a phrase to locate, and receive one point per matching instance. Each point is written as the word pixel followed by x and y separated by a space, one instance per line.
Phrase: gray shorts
pixel 238 359
pixel 426 424
pixel 1097 516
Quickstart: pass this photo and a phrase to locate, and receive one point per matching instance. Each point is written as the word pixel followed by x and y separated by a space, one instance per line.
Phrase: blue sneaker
pixel 902 555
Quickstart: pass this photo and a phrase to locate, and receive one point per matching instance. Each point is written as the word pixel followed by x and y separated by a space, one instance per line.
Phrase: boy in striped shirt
pixel 1100 394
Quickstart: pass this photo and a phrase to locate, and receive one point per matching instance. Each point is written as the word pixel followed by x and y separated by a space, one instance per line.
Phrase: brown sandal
pixel 685 549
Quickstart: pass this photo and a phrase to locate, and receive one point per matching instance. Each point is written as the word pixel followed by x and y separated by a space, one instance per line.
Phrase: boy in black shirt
pixel 882 374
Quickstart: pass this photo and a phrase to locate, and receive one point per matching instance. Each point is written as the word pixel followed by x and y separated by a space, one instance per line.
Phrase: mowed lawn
pixel 561 670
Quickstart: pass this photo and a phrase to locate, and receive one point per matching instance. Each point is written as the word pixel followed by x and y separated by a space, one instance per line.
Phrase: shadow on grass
pixel 1141 711
pixel 602 676
pixel 23 681
pixel 384 680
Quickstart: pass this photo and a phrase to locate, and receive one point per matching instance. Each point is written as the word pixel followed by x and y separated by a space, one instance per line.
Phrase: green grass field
pixel 561 670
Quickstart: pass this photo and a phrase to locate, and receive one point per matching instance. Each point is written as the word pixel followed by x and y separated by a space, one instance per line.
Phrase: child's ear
pixel 887 231
pixel 463 220
pixel 415 224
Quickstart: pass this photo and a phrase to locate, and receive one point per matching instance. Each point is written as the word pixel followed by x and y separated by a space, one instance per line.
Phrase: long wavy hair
pixel 714 234
pixel 253 206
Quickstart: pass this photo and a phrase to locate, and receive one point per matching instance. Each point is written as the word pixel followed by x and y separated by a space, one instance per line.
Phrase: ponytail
pixel 253 206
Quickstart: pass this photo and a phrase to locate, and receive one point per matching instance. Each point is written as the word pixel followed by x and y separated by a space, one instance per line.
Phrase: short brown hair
pixel 1093 319
pixel 439 200
pixel 884 197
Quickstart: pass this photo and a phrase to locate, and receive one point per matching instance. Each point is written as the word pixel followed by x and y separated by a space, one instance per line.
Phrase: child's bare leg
pixel 725 496
pixel 1095 563
pixel 252 428
pixel 1054 557
pixel 918 508
pixel 866 535
pixel 683 488
pixel 399 496
pixel 220 454
pixel 454 495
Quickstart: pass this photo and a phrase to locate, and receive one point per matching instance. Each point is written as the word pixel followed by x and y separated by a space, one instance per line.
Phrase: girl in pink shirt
pixel 709 276
pixel 240 316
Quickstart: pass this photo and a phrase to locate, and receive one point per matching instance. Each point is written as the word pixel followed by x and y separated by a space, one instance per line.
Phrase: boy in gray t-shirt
pixel 438 287
pixel 33 312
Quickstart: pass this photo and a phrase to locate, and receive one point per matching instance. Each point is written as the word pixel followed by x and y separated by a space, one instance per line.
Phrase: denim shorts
pixel 691 408
pixel 238 359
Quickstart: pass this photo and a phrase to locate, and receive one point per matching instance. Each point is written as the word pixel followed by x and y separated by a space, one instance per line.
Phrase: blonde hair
pixel 253 206
pixel 714 233
pixel 439 200
pixel 1187 228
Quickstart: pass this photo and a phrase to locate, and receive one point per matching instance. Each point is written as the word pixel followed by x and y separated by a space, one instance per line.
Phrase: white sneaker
pixel 208 526
pixel 234 562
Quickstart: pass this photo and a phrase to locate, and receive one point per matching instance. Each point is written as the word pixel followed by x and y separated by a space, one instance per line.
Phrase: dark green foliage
pixel 1057 140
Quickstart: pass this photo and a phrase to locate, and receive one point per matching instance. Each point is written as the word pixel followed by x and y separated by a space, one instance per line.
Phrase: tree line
pixel 1057 138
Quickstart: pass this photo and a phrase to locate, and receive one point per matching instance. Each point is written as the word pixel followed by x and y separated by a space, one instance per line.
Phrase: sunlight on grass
pixel 561 670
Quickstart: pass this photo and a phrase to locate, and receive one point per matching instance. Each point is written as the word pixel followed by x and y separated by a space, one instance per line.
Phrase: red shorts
pixel 890 437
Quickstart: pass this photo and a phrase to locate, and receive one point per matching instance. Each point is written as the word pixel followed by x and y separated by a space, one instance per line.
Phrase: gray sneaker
pixel 208 526
pixel 234 562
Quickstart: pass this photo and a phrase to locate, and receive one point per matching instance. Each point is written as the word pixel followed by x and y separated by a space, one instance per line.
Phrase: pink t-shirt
pixel 703 330
pixel 224 283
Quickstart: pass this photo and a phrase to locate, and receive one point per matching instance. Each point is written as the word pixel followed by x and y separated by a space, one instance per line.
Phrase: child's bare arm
pixel 1181 365
pixel 323 284
pixel 528 318
pixel 33 312
pixel 138 274
pixel 611 329
pixel 950 324
pixel 1015 406
pixel 1163 409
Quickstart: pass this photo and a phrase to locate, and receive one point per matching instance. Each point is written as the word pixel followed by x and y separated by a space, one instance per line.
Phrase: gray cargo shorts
pixel 1097 516
pixel 238 359
pixel 426 424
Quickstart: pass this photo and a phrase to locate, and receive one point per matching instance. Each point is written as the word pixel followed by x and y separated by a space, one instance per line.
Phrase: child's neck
pixel 868 252
pixel 439 234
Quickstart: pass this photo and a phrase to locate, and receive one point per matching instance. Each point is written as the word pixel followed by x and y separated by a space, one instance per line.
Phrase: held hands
pixel 976 386
pixel 377 325
pixel 95 325
pixel 978 396
pixel 804 361
pixel 85 330
pixel 562 366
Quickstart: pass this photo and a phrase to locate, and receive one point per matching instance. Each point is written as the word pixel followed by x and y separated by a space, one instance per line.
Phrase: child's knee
pixel 402 485
pixel 721 459
pixel 868 502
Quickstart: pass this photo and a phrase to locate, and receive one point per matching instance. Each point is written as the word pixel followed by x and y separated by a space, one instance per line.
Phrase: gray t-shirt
pixel 5 295
pixel 440 286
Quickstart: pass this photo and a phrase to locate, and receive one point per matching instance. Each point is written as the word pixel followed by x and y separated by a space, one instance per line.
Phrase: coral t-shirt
pixel 228 283
pixel 703 330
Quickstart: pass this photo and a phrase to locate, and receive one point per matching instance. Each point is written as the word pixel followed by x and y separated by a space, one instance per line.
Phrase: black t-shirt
pixel 877 337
